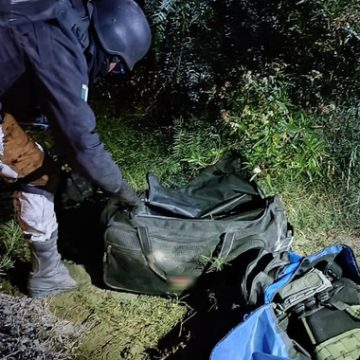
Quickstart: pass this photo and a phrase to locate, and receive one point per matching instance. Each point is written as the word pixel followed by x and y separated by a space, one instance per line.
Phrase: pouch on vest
pixel 181 233
pixel 320 302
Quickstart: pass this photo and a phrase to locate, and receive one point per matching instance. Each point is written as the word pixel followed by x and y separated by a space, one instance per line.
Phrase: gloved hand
pixel 74 190
pixel 127 198
pixel 124 199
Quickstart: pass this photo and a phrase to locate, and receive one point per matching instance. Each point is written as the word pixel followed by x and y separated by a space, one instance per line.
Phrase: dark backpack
pixel 182 233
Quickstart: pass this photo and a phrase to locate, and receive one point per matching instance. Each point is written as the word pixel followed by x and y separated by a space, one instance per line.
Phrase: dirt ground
pixel 308 245
pixel 118 325
pixel 30 331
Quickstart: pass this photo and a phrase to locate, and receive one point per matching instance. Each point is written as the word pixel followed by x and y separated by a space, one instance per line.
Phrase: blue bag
pixel 264 334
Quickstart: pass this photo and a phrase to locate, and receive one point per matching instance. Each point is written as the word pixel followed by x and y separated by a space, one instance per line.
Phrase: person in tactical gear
pixel 53 48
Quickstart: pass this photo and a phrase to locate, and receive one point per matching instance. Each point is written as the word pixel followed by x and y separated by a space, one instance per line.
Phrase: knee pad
pixel 35 214
pixel 23 160
pixel 19 152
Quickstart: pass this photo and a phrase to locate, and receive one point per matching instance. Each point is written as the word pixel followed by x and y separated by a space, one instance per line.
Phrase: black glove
pixel 124 199
pixel 74 189
pixel 127 198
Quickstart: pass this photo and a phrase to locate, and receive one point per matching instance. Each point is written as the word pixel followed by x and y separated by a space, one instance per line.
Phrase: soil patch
pixel 119 325
pixel 28 331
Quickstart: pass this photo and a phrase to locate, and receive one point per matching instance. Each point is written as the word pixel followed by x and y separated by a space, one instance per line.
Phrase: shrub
pixel 10 245
pixel 199 46
pixel 275 136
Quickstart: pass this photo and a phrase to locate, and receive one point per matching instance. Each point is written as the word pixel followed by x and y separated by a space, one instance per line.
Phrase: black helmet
pixel 122 29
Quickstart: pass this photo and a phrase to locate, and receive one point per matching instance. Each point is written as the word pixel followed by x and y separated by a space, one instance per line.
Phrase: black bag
pixel 181 233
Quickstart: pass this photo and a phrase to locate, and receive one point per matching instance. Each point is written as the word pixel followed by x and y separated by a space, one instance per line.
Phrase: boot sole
pixel 41 293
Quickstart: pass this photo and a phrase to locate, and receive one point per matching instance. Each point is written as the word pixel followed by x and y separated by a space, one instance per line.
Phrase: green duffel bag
pixel 180 233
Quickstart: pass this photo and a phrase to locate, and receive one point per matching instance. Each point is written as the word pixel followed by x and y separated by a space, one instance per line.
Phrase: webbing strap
pixel 345 346
pixel 260 273
pixel 249 273
pixel 261 280
pixel 146 248
pixel 264 279
pixel 227 244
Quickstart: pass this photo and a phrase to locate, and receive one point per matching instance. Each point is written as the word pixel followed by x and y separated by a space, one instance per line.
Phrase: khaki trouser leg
pixel 24 161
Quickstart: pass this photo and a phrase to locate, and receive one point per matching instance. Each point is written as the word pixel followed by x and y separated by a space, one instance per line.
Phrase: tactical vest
pixel 315 299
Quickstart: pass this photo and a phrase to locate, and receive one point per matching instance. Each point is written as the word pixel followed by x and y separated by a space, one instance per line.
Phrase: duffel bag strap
pixel 146 248
pixel 226 245
pixel 222 251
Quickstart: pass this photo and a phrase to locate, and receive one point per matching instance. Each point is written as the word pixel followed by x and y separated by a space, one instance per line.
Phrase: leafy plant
pixel 196 143
pixel 10 248
pixel 271 132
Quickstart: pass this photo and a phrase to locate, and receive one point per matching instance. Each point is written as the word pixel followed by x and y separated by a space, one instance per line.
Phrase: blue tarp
pixel 257 338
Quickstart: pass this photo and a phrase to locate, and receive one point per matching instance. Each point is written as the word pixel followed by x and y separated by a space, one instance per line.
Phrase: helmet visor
pixel 117 66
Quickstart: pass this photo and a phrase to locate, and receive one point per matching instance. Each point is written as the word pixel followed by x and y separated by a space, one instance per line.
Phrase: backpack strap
pixel 260 273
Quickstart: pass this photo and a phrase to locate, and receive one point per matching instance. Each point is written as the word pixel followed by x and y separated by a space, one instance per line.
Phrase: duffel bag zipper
pixel 106 254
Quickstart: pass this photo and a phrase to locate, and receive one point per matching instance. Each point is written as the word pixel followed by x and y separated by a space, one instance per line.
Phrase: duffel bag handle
pixel 226 245
pixel 222 250
pixel 146 248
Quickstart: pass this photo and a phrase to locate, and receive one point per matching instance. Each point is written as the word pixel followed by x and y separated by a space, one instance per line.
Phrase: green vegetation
pixel 278 81
pixel 274 135
pixel 115 323
pixel 11 246
pixel 138 151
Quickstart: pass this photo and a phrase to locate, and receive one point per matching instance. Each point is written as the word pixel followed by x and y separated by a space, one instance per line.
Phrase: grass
pixel 119 326
pixel 138 151
pixel 318 216
pixel 22 338
pixel 125 325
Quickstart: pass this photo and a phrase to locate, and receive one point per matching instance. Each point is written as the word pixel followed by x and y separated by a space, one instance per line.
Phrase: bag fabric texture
pixel 181 233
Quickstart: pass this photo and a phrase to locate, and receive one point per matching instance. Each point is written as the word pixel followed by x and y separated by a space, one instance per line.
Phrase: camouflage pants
pixel 23 161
